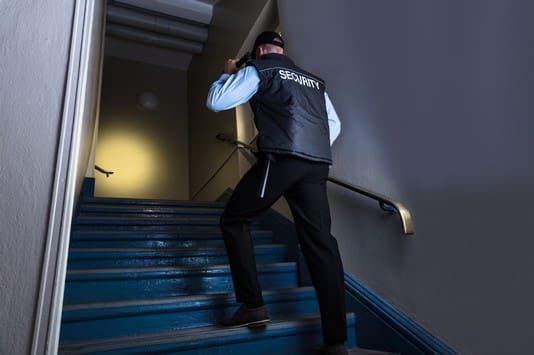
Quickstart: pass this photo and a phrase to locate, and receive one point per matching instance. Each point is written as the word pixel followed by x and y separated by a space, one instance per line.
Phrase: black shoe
pixel 245 317
pixel 334 349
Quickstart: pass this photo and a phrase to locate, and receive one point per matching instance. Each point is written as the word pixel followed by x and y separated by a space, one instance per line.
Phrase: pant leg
pixel 243 206
pixel 309 205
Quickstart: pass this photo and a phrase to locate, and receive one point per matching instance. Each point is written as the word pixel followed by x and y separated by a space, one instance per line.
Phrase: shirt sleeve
pixel 233 90
pixel 334 124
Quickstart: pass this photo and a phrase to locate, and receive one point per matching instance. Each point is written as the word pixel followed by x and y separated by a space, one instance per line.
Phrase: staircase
pixel 147 276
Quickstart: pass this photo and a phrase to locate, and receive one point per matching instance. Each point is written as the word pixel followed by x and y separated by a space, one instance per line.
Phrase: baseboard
pixel 381 326
pixel 88 187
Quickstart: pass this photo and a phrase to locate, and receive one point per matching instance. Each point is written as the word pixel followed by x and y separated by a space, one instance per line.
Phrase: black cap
pixel 267 37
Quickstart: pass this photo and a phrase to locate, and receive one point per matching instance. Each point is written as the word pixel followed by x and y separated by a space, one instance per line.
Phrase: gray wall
pixel 146 149
pixel 34 44
pixel 231 23
pixel 436 110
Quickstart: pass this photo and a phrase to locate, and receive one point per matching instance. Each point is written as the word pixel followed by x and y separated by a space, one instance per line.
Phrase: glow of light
pixel 133 159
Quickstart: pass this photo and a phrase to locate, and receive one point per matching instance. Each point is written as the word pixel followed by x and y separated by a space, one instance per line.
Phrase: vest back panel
pixel 290 111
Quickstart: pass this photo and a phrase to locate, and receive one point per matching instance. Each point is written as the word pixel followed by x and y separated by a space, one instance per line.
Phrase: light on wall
pixel 148 100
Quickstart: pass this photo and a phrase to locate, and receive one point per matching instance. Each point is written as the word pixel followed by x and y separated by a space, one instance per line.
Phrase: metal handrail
pixel 224 138
pixel 238 145
pixel 99 169
pixel 387 204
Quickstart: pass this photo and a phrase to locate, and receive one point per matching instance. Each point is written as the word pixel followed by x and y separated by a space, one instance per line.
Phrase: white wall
pixel 34 44
pixel 434 99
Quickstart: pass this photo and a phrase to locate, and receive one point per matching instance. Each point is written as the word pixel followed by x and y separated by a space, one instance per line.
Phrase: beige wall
pixel 146 149
pixel 231 24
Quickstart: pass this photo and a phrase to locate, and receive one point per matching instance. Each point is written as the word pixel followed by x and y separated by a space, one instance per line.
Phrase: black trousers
pixel 303 184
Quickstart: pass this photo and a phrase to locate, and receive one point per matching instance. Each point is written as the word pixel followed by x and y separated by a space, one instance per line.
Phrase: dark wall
pixel 434 99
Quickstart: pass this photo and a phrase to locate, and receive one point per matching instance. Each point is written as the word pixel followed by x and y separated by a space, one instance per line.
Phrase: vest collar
pixel 277 56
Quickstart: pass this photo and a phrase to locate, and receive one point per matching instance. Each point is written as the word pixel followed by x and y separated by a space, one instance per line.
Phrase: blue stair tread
pixel 154 234
pixel 101 285
pixel 82 311
pixel 154 209
pixel 158 202
pixel 207 337
pixel 112 319
pixel 360 351
pixel 87 258
pixel 149 272
pixel 114 220
pixel 166 252
pixel 157 238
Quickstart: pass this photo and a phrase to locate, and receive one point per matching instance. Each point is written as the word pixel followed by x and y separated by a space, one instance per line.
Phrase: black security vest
pixel 289 110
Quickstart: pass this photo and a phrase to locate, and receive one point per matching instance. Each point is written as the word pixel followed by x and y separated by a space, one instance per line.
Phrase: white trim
pixel 50 303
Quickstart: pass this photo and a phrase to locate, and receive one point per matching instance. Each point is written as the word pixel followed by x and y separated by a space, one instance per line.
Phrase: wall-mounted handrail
pixel 224 138
pixel 238 145
pixel 215 173
pixel 385 203
pixel 103 171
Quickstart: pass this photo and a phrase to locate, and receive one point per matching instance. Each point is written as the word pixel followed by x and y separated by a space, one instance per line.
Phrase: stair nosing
pixel 176 269
pixel 267 294
pixel 159 250
pixel 298 324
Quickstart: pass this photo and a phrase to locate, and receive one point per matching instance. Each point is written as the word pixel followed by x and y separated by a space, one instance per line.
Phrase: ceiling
pixel 161 32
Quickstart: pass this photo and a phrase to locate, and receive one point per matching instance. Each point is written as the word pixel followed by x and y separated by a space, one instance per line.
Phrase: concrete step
pixel 101 258
pixel 292 336
pixel 101 285
pixel 118 319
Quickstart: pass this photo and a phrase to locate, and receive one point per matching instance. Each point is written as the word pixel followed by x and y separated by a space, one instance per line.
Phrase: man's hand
pixel 229 67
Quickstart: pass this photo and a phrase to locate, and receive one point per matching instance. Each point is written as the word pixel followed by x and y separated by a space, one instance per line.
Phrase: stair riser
pixel 169 318
pixel 97 262
pixel 257 341
pixel 164 235
pixel 136 287
pixel 162 244
pixel 162 226
pixel 163 223
pixel 92 208
pixel 141 214
pixel 205 227
pixel 142 202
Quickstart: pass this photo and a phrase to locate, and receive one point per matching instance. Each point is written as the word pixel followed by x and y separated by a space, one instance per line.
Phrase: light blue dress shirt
pixel 233 90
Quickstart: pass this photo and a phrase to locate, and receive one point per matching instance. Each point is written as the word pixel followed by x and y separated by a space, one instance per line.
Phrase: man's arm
pixel 232 90
pixel 333 120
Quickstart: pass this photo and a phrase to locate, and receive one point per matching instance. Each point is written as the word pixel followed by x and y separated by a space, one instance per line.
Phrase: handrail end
pixel 407 222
